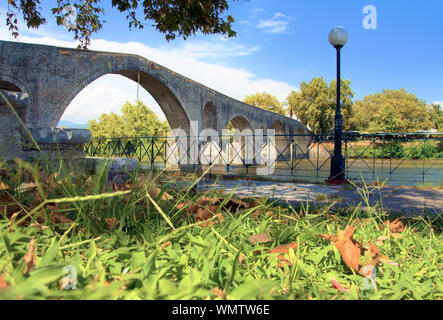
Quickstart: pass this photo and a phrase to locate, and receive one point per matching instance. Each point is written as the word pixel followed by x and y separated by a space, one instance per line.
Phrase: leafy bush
pixel 395 149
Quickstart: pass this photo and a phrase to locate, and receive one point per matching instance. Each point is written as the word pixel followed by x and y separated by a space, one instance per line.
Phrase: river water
pixel 396 172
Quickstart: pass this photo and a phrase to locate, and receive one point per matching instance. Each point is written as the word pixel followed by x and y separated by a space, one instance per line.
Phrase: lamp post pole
pixel 338 38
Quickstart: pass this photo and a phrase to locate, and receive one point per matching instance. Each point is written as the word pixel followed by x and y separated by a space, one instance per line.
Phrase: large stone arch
pixel 174 110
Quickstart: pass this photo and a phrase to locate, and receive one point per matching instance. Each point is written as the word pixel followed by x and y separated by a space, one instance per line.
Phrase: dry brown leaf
pixel 385 259
pixel 381 240
pixel 331 238
pixel 338 286
pixel 165 245
pixel 283 249
pixel 3 283
pixel 111 223
pixel 219 293
pixel 259 238
pixel 154 193
pixel 39 226
pixel 240 258
pixel 3 186
pixel 25 187
pixel 59 218
pixel 205 209
pixel 351 250
pixel 30 257
pixel 396 226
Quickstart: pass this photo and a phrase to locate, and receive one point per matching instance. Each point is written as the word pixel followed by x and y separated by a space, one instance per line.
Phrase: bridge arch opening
pixel 240 123
pixel 240 145
pixel 17 95
pixel 112 90
pixel 209 116
pixel 8 86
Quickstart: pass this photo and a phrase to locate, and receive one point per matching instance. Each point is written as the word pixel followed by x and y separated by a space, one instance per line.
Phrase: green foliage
pixel 422 149
pixel 315 104
pixel 390 111
pixel 137 120
pixel 436 116
pixel 173 18
pixel 265 101
pixel 143 257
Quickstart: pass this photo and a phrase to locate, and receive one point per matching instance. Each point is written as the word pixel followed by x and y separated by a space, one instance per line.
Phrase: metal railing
pixel 410 159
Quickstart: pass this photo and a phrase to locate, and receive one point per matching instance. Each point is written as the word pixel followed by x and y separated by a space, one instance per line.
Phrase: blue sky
pixel 279 44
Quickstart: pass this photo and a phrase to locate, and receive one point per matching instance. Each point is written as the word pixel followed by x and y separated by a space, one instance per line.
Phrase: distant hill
pixel 72 125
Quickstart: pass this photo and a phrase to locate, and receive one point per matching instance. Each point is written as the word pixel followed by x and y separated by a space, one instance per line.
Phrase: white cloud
pixel 110 92
pixel 277 24
pixel 438 102
pixel 257 12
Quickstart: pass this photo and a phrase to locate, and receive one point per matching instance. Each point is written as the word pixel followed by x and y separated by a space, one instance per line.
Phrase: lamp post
pixel 338 38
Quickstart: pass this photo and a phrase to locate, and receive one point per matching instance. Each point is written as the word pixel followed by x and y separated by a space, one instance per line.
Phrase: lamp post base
pixel 338 167
pixel 337 182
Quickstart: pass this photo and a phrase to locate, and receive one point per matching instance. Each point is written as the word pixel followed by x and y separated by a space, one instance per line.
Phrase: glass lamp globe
pixel 338 36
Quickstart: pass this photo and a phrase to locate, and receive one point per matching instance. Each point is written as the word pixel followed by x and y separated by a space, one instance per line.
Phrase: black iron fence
pixel 400 158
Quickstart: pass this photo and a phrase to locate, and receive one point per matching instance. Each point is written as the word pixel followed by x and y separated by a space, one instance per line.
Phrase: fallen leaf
pixel 351 251
pixel 331 238
pixel 385 259
pixel 205 208
pixel 165 245
pixel 25 187
pixel 396 226
pixel 338 286
pixel 240 258
pixel 156 192
pixel 59 218
pixel 3 186
pixel 39 226
pixel 381 240
pixel 3 283
pixel 284 250
pixel 219 293
pixel 259 238
pixel 30 257
pixel 111 223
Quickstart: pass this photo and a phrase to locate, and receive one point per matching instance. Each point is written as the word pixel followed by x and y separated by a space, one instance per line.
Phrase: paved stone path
pixel 404 200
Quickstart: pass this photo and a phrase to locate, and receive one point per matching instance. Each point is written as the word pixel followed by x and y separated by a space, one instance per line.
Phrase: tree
pixel 173 18
pixel 436 116
pixel 316 102
pixel 265 101
pixel 391 111
pixel 137 120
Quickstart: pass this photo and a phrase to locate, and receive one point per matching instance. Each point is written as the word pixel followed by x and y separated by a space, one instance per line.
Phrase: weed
pixel 155 251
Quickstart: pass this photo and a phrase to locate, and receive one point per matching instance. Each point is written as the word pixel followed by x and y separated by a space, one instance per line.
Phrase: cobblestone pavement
pixel 402 200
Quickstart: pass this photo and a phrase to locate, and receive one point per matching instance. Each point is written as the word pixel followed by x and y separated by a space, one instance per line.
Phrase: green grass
pixel 156 253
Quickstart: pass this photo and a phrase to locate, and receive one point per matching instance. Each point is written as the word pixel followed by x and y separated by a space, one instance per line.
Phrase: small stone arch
pixel 240 123
pixel 240 150
pixel 210 116
pixel 8 86
pixel 16 93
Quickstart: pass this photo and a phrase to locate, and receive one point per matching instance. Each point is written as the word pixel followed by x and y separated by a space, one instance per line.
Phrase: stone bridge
pixel 41 81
